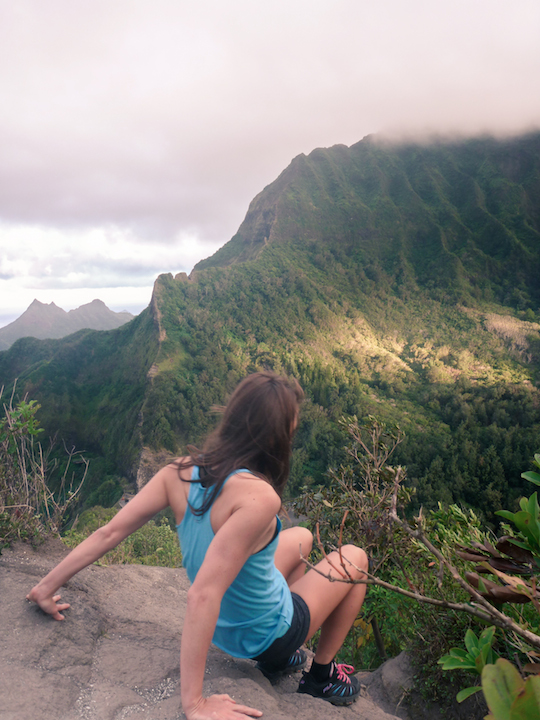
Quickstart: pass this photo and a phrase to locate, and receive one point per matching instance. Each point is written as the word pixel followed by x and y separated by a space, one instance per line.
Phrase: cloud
pixel 98 257
pixel 135 133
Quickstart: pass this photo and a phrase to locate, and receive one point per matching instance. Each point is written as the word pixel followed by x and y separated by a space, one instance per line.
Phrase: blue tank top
pixel 257 607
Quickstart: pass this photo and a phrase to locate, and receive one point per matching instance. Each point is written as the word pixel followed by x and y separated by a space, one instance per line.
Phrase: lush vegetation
pixel 156 543
pixel 463 577
pixel 29 509
pixel 91 388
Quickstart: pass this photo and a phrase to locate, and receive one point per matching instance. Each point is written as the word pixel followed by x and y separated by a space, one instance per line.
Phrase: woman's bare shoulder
pixel 181 467
pixel 249 488
pixel 177 476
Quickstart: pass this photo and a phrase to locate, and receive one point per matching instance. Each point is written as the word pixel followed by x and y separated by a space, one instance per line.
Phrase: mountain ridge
pixel 47 320
pixel 421 206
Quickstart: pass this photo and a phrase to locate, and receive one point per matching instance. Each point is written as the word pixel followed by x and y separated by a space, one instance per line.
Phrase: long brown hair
pixel 255 433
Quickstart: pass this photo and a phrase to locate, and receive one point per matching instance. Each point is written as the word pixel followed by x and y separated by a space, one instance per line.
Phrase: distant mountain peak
pixel 37 303
pixel 47 320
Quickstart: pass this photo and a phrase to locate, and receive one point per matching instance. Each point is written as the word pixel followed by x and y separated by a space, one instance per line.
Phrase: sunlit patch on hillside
pixel 517 333
pixel 153 371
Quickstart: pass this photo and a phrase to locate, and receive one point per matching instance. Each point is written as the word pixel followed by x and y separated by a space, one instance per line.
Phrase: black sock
pixel 321 672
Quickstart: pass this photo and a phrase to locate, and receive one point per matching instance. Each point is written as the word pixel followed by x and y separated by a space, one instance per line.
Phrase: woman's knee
pixel 305 538
pixel 295 539
pixel 357 557
pixel 299 536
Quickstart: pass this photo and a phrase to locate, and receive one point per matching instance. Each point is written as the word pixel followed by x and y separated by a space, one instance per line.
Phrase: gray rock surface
pixel 116 654
pixel 391 683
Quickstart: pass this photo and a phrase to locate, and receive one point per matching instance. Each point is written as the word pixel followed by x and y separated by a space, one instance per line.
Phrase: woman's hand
pixel 48 602
pixel 219 707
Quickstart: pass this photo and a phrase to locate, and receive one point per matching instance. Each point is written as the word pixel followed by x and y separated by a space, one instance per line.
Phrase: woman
pixel 249 593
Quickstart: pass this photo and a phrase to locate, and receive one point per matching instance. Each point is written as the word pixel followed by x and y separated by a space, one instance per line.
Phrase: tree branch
pixel 486 612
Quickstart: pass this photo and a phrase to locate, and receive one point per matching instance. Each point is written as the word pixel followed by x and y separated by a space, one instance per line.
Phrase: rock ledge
pixel 116 654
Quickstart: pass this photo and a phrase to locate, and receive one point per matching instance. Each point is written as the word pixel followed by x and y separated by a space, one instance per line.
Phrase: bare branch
pixel 375 508
pixel 469 608
pixel 326 556
pixel 341 543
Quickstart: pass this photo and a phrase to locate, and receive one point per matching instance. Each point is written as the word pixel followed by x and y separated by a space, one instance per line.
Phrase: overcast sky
pixel 134 133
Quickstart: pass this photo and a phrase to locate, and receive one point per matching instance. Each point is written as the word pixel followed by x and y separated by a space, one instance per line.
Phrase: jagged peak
pixel 47 320
pixel 38 304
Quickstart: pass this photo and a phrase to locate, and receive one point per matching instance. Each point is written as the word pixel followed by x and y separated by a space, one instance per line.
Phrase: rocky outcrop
pixel 116 654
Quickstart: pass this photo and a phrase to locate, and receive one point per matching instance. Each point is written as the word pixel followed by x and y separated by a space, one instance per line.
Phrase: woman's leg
pixel 291 543
pixel 333 606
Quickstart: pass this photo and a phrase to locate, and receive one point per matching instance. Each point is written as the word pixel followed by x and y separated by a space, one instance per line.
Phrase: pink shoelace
pixel 344 670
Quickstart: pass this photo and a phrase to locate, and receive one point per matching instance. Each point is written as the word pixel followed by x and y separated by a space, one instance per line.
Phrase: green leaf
pixel 533 508
pixel 471 641
pixel 482 586
pixel 527 704
pixel 480 662
pixel 506 514
pixel 458 652
pixel 483 658
pixel 522 520
pixel 458 664
pixel 491 657
pixel 501 683
pixel 531 477
pixel 467 692
pixel 486 637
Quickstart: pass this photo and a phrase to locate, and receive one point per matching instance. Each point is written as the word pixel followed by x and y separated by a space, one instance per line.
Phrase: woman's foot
pixel 296 662
pixel 337 688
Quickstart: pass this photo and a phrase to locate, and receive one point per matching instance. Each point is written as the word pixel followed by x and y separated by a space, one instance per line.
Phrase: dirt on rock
pixel 116 655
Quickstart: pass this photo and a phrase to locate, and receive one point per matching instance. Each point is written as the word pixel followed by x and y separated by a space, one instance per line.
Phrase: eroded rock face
pixel 116 655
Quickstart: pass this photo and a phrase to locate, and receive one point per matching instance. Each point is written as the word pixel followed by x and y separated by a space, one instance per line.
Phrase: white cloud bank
pixel 134 133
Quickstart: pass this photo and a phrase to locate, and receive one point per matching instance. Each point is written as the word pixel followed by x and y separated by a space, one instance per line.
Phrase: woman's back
pixel 257 605
pixel 240 489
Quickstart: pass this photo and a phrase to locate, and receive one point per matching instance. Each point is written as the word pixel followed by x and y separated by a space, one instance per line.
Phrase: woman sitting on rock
pixel 249 595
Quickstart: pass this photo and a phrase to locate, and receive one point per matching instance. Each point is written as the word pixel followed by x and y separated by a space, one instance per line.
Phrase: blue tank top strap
pixel 198 492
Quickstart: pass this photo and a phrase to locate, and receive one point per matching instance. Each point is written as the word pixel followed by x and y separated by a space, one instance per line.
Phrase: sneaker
pixel 339 688
pixel 295 663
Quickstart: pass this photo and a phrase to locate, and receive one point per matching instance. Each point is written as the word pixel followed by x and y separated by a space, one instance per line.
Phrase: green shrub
pixel 428 559
pixel 153 544
pixel 29 509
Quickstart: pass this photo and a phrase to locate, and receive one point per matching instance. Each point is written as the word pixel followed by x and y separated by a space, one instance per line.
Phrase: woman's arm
pixel 237 539
pixel 201 617
pixel 149 501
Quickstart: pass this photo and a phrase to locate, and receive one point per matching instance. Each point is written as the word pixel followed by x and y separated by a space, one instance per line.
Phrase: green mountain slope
pixel 400 281
pixel 458 215
pixel 91 386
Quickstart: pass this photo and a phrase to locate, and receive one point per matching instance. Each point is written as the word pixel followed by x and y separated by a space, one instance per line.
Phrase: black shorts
pixel 283 647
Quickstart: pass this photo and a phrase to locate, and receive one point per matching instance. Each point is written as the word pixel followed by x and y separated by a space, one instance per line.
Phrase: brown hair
pixel 255 433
